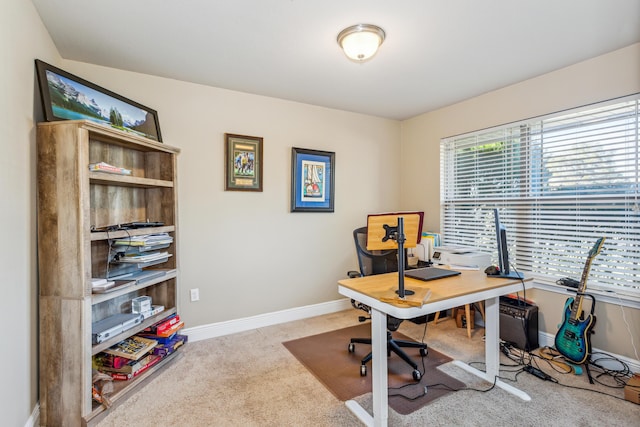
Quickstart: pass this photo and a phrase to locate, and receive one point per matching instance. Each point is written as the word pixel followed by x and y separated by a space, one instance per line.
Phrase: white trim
pixel 213 330
pixel 609 297
pixel 33 420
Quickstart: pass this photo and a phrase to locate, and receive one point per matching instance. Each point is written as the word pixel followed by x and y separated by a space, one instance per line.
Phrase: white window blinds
pixel 560 182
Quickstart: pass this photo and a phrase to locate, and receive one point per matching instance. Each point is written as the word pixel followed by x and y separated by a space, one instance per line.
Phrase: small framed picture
pixel 312 180
pixel 69 97
pixel 243 163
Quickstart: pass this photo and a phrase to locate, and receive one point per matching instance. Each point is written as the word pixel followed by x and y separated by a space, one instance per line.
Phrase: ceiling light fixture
pixel 360 42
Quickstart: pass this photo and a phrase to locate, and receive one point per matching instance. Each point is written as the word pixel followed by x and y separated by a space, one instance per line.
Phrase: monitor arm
pixel 397 234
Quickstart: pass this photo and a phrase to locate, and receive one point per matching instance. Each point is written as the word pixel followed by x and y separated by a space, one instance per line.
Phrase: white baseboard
pixel 268 319
pixel 546 339
pixel 213 330
pixel 33 420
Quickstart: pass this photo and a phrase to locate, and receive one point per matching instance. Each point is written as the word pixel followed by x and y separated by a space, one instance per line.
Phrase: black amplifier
pixel 519 323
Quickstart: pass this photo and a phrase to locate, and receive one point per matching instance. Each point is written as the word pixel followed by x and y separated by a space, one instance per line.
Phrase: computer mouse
pixel 492 270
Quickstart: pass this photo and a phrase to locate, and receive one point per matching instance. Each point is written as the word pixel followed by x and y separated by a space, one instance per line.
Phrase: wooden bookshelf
pixel 72 201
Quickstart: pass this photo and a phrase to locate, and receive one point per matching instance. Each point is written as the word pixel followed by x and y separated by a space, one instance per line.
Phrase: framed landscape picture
pixel 69 97
pixel 312 180
pixel 243 163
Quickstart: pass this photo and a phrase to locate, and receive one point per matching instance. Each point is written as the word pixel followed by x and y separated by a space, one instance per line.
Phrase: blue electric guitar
pixel 573 339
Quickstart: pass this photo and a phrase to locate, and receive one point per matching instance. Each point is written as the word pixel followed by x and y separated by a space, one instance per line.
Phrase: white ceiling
pixel 437 52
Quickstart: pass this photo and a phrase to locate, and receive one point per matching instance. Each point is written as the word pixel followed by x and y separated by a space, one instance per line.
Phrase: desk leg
pixel 492 338
pixel 379 379
pixel 492 350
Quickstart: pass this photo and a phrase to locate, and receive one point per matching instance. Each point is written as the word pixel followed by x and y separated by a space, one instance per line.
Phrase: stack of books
pixel 132 254
pixel 165 328
pixel 105 167
pixel 165 333
pixel 143 243
pixel 127 359
pixel 134 355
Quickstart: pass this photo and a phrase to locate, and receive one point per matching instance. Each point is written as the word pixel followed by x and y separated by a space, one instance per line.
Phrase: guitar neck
pixel 576 307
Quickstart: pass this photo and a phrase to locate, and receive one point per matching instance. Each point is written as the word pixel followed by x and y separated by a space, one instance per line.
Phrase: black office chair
pixel 378 262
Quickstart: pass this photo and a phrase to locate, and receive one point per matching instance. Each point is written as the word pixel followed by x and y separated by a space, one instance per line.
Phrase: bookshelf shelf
pixel 123 389
pixel 120 234
pixel 98 298
pixel 103 178
pixel 72 201
pixel 116 339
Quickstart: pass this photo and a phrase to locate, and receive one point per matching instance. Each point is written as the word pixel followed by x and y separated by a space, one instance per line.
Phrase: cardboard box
pixel 632 389
pixel 461 317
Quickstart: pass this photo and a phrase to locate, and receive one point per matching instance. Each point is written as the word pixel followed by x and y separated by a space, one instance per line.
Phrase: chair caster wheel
pixel 352 347
pixel 424 352
pixel 363 370
pixel 417 375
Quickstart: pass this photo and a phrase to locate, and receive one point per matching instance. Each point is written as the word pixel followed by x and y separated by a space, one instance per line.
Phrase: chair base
pixel 394 346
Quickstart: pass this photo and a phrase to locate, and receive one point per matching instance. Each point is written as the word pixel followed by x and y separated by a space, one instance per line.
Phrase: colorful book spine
pixel 105 167
pixel 124 376
pixel 172 330
pixel 161 340
pixel 163 325
pixel 163 350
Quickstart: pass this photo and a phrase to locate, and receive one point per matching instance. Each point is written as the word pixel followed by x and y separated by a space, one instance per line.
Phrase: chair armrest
pixel 353 274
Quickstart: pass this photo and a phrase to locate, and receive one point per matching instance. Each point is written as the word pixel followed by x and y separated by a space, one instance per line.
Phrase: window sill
pixel 605 296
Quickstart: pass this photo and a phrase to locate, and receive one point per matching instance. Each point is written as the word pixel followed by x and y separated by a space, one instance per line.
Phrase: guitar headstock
pixel 597 247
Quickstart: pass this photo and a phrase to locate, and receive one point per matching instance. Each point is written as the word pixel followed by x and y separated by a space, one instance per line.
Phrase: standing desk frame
pixel 467 288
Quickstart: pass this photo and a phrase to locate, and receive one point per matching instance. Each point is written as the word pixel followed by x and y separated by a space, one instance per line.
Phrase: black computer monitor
pixel 503 251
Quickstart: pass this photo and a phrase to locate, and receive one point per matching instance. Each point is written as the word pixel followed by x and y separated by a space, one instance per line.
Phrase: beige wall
pixel 245 251
pixel 608 76
pixel 22 38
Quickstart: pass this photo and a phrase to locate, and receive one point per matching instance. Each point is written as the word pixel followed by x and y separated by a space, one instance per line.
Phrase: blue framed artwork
pixel 312 180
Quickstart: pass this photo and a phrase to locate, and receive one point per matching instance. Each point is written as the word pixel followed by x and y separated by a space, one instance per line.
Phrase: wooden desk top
pixel 470 281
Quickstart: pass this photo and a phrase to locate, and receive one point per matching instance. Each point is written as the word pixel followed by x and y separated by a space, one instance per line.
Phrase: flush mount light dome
pixel 360 42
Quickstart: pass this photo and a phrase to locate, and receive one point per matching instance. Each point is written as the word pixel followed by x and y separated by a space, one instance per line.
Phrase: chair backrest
pixel 373 262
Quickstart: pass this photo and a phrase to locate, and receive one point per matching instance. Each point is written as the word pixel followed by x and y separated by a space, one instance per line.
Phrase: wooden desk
pixel 469 287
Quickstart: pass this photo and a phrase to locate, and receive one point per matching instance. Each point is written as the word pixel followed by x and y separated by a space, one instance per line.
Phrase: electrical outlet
pixel 195 294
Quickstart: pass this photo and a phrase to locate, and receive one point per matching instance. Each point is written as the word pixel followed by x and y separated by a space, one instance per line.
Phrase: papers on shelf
pixel 146 240
pixel 144 257
pixel 143 276
pixel 113 285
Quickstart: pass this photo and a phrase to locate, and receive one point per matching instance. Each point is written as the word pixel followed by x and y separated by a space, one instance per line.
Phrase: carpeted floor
pixel 250 379
pixel 327 358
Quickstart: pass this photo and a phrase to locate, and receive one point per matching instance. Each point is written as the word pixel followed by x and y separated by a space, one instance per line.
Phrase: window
pixel 560 182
